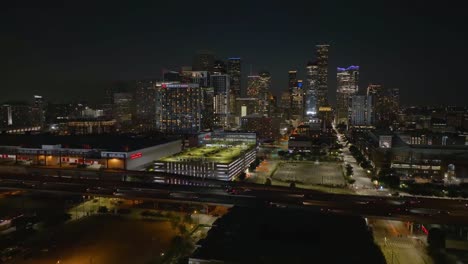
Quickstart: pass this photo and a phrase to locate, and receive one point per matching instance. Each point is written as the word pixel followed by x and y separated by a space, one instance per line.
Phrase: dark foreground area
pixel 274 235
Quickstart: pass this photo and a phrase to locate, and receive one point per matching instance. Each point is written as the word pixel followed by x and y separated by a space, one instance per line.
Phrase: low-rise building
pixel 87 151
pixel 220 161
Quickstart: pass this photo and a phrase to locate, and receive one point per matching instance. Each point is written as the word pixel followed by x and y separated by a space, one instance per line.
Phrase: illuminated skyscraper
pixel 311 91
pixel 292 87
pixel 292 80
pixel 221 84
pixel 385 103
pixel 264 93
pixel 348 80
pixel 361 110
pixel 145 103
pixel 38 111
pixel 234 71
pixel 253 86
pixel 180 108
pixel 395 93
pixel 123 108
pixel 296 93
pixel 322 75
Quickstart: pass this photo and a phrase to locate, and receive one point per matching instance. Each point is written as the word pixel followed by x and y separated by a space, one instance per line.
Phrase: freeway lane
pixel 424 210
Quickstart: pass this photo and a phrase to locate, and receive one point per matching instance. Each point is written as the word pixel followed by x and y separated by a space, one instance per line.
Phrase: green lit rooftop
pixel 218 154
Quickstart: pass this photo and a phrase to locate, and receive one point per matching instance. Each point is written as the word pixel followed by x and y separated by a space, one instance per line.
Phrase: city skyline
pixel 48 50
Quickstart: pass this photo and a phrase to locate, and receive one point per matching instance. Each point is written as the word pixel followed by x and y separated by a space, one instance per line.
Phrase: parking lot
pixel 326 173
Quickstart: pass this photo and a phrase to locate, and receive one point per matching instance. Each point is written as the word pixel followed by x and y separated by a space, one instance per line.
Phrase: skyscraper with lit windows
pixel 311 91
pixel 348 80
pixel 234 71
pixel 221 85
pixel 180 108
pixel 322 75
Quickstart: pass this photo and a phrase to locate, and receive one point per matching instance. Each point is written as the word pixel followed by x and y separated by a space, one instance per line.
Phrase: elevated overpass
pixel 421 210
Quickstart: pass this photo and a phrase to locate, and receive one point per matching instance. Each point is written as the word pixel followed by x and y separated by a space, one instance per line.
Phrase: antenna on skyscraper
pixel 250 69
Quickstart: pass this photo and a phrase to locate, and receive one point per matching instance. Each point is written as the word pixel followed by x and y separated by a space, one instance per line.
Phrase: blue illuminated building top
pixel 234 58
pixel 299 84
pixel 350 68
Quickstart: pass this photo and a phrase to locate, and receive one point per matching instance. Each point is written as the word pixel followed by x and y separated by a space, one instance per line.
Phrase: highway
pixel 421 210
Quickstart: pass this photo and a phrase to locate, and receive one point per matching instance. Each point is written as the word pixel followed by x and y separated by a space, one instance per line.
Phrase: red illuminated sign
pixel 136 155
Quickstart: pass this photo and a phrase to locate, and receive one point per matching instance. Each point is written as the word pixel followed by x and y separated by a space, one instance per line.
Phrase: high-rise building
pixel 234 71
pixel 385 103
pixel 123 108
pixel 265 87
pixel 203 61
pixel 208 118
pixel 285 101
pixel 376 90
pixel 322 75
pixel 311 91
pixel 38 111
pixel 253 86
pixel 292 81
pixel 348 83
pixel 108 106
pixel 221 85
pixel 145 103
pixel 296 95
pixel 16 115
pixel 361 110
pixel 180 108
pixel 219 67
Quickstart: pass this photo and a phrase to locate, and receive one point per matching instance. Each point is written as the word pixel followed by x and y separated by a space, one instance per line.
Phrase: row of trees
pixel 361 160
pixel 349 174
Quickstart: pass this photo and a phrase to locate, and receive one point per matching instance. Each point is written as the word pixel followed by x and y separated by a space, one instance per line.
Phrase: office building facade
pixel 145 103
pixel 221 85
pixel 322 75
pixel 180 108
pixel 348 80
pixel 361 110
pixel 311 91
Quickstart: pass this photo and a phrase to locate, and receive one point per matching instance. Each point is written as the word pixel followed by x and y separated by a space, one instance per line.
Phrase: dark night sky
pixel 73 50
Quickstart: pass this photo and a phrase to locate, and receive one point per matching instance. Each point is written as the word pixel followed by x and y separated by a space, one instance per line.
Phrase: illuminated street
pixel 398 244
pixel 363 184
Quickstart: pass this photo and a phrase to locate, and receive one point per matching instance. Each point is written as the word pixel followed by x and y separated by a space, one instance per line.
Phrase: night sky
pixel 74 50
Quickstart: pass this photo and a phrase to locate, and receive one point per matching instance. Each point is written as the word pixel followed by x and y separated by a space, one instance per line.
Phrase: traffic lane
pixel 442 204
pixel 431 203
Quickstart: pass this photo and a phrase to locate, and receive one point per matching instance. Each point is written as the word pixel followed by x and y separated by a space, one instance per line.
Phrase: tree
pixel 268 181
pixel 292 185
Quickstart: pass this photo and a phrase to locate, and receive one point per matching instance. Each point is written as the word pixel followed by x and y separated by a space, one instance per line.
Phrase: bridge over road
pixel 421 210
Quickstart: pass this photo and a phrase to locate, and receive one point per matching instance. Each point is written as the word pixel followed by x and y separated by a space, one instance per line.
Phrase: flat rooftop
pixel 109 142
pixel 219 154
